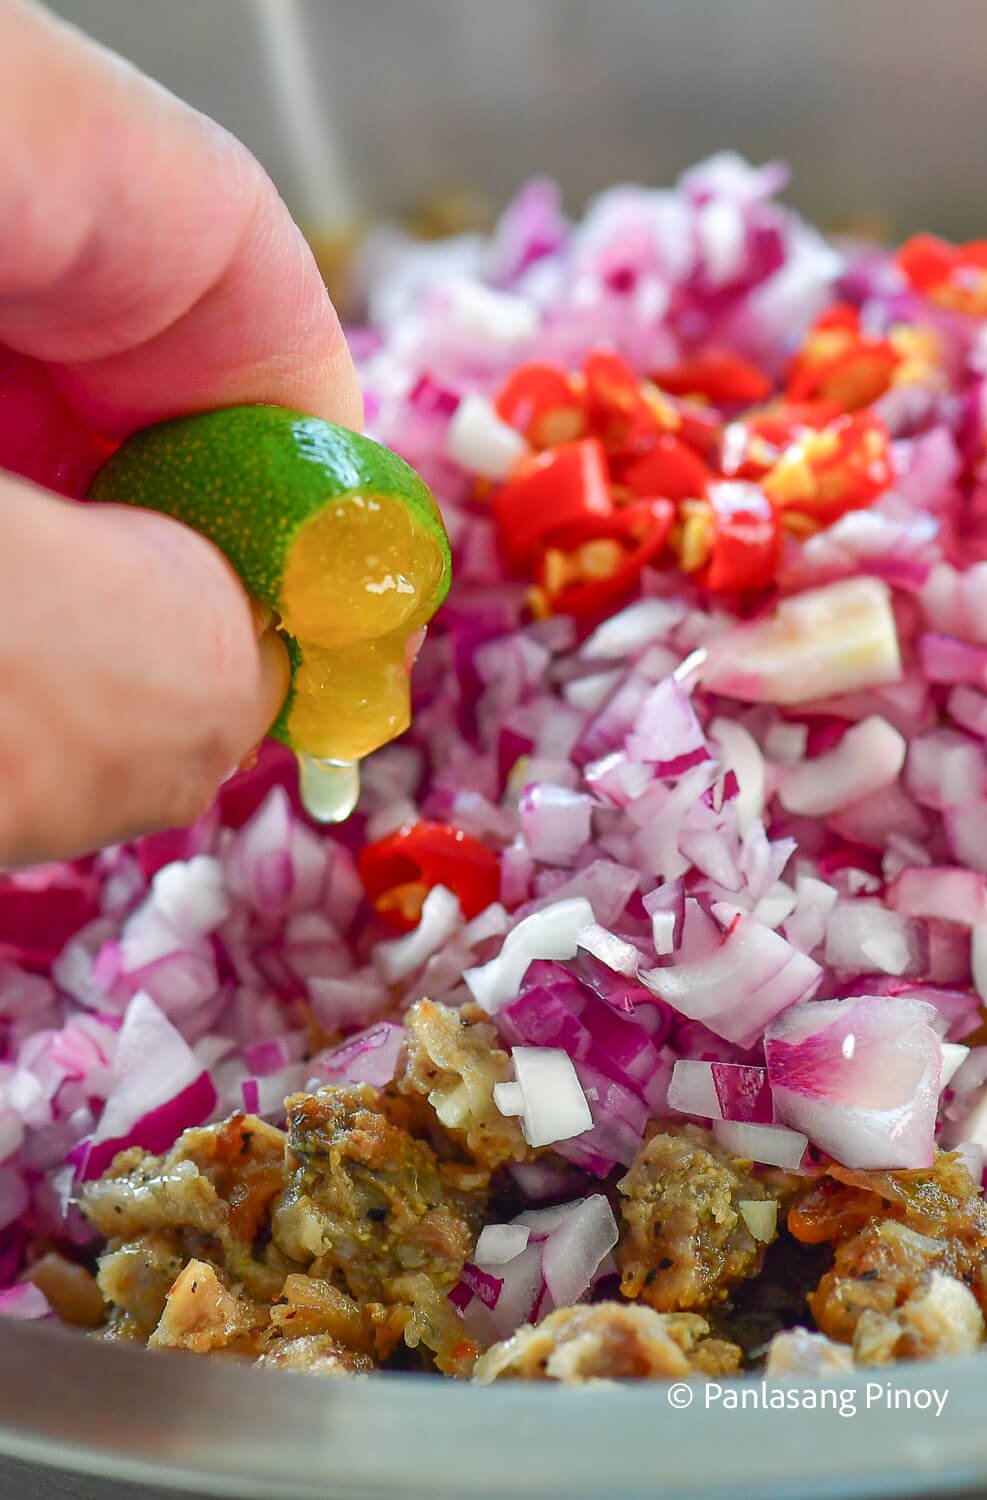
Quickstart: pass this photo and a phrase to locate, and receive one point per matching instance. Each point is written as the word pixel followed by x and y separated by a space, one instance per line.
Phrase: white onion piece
pixel 830 640
pixel 868 758
pixel 692 1090
pixel 776 905
pixel 152 1064
pixel 739 752
pixel 663 932
pixel 590 693
pixel 550 933
pixel 945 769
pixel 761 1217
pixel 556 822
pixel 617 954
pixel 500 1243
pixel 478 440
pixel 555 1107
pixel 954 1054
pixel 500 319
pixel 543 1220
pixel 191 895
pixel 772 1145
pixel 441 917
pixel 640 623
pixel 860 1077
pixel 576 1247
pixel 785 743
pixel 863 937
pixel 509 1098
pixel 737 989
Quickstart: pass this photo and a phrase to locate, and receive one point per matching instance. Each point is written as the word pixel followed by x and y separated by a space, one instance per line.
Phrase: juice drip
pixel 329 789
pixel 358 586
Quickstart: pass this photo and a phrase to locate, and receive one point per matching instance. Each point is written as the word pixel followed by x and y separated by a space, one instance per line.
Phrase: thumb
pixel 134 674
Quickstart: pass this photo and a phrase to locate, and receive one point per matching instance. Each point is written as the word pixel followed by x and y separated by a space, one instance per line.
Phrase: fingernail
pixel 275 672
pixel 261 615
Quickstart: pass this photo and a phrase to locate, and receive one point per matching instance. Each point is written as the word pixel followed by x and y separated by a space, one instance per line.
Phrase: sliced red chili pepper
pixel 842 467
pixel 746 541
pixel 841 363
pixel 555 489
pixel 753 445
pixel 591 565
pixel 954 276
pixel 719 375
pixel 398 871
pixel 617 410
pixel 670 469
pixel 539 400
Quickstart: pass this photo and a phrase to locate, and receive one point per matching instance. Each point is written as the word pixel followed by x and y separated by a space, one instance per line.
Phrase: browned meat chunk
pixel 609 1342
pixel 135 1279
pixel 371 1207
pixel 909 1271
pixel 203 1315
pixel 454 1064
pixel 316 1354
pixel 211 1194
pixel 891 1295
pixel 71 1290
pixel 941 1201
pixel 366 1200
pixel 685 1241
pixel 796 1351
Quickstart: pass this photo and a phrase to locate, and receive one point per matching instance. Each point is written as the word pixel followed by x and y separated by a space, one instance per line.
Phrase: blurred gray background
pixel 367 105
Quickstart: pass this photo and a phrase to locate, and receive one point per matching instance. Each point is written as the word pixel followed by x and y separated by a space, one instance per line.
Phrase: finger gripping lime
pixel 334 533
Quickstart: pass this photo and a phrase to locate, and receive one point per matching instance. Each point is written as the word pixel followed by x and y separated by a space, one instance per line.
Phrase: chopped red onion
pixel 949 894
pixel 575 1248
pixel 24 1300
pixel 860 1077
pixel 735 991
pixel 868 758
pixel 372 1056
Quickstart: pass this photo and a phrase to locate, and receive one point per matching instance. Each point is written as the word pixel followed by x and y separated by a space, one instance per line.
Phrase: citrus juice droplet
pixel 359 582
pixel 329 789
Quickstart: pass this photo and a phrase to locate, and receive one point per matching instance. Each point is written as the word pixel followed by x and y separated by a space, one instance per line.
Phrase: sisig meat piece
pixel 454 1063
pixel 908 1279
pixel 684 1241
pixel 316 1354
pixel 609 1341
pixel 370 1207
pixel 135 1279
pixel 892 1293
pixel 796 1351
pixel 213 1193
pixel 204 1315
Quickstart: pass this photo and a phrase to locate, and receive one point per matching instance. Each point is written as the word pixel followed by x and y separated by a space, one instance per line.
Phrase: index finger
pixel 144 254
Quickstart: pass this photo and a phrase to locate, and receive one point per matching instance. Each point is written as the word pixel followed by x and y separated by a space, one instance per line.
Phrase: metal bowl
pixel 363 109
pixel 108 1412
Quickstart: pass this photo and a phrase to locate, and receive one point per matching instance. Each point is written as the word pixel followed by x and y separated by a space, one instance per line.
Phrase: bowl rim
pixel 178 1420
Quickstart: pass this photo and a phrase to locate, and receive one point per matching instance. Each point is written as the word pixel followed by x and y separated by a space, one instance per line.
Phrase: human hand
pixel 147 269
